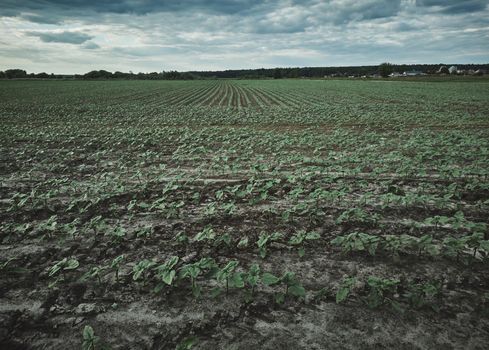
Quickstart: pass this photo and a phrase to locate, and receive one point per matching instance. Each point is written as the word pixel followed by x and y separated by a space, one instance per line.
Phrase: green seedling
pixel 222 239
pixel 49 226
pixel 300 238
pixel 454 247
pixel 251 279
pixel 474 242
pixel 192 271
pixel 357 242
pixel 89 339
pixel 243 243
pixel 207 234
pixel 264 240
pixel 289 281
pixel 425 244
pixel 382 291
pixel 145 232
pixel 62 266
pixel 187 343
pixel 231 278
pixel 395 244
pixel 140 268
pixel 115 266
pixel 94 272
pixel 166 273
pixel 345 289
pixel 118 234
pixel 357 216
pixel 182 238
pixel 423 294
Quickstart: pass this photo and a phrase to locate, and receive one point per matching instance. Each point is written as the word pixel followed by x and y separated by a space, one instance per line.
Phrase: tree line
pixel 261 73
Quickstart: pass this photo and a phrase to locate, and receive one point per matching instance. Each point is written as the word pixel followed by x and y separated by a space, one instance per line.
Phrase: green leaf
pixel 297 290
pixel 168 276
pixel 279 298
pixel 342 294
pixel 88 333
pixel 269 279
pixel 243 243
pixel 172 262
pixel 236 280
pixel 312 235
pixel 187 344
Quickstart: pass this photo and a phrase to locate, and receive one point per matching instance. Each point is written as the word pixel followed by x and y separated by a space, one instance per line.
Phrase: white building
pixel 412 73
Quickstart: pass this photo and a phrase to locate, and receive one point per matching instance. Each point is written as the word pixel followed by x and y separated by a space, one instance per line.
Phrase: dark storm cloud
pixel 367 10
pixel 455 6
pixel 63 37
pixel 55 11
pixel 140 7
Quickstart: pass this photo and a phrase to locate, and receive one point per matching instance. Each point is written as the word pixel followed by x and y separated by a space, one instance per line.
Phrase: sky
pixel 76 36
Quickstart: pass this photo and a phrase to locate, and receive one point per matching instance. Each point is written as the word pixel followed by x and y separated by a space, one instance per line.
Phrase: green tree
pixel 385 69
pixel 277 73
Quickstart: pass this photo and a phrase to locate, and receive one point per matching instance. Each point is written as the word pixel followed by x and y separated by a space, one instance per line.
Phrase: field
pixel 221 214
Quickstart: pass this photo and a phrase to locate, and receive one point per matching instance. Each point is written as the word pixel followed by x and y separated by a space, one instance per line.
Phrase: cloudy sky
pixel 75 36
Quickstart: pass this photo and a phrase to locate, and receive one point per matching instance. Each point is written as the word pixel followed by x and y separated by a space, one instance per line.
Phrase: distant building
pixel 395 75
pixel 453 70
pixel 412 73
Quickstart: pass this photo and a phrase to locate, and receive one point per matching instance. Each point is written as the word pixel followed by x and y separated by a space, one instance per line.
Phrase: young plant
pixel 62 266
pixel 192 271
pixel 453 247
pixel 141 267
pixel 264 240
pixel 357 241
pixel 382 291
pixel 187 343
pixel 145 232
pixel 251 279
pixel 289 281
pixel 243 243
pixel 345 289
pixel 49 226
pixel 89 338
pixel 91 341
pixel 166 273
pixel 423 294
pixel 117 234
pixel 395 244
pixel 94 272
pixel 357 216
pixel 425 244
pixel 231 278
pixel 115 266
pixel 299 240
pixel 222 239
pixel 207 234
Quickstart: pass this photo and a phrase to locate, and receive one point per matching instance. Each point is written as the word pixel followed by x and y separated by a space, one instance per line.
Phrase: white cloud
pixel 249 34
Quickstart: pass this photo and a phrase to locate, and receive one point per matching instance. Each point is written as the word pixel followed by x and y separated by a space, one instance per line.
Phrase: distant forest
pixel 262 73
